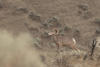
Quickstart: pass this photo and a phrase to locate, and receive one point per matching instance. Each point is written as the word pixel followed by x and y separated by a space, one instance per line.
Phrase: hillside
pixel 77 18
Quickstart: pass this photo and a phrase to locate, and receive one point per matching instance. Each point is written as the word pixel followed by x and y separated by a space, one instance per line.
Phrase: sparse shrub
pixel 34 17
pixel 52 45
pixel 53 22
pixel 97 21
pixel 45 35
pixel 84 11
pixel 97 31
pixel 87 15
pixel 45 25
pixel 98 58
pixel 61 31
pixel 79 13
pixel 63 62
pixel 83 7
pixel 36 40
pixel 53 19
pixel 37 43
pixel 42 58
pixel 19 10
pixel 22 10
pixel 34 30
pixel 1 6
pixel 76 33
pixel 67 28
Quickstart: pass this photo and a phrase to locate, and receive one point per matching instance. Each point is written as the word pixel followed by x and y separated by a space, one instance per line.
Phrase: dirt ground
pixel 79 18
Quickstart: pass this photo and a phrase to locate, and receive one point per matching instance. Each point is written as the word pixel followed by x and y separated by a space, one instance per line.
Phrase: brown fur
pixel 63 40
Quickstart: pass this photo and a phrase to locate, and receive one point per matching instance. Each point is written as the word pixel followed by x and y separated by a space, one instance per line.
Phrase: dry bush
pixel 84 11
pixel 97 21
pixel 52 23
pixel 97 31
pixel 16 51
pixel 83 7
pixel 20 11
pixel 34 17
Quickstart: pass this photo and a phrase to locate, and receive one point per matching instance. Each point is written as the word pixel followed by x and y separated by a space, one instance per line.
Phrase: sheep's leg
pixel 59 55
pixel 75 49
pixel 58 47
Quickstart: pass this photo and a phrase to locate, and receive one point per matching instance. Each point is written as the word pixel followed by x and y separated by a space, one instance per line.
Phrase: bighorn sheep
pixel 63 40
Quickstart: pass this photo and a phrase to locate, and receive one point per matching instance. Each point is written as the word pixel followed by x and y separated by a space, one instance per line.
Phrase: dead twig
pixel 90 54
pixel 93 47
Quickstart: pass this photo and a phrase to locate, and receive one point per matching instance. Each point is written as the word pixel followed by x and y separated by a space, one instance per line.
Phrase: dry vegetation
pixel 24 27
pixel 16 51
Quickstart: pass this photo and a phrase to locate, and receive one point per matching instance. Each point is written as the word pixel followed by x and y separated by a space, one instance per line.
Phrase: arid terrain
pixel 24 27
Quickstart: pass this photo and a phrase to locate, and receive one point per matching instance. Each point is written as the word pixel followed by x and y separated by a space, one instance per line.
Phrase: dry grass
pixel 16 51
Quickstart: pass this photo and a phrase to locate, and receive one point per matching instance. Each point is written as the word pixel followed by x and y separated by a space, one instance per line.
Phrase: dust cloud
pixel 16 51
